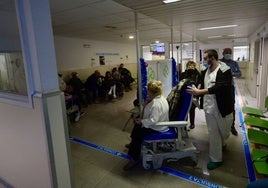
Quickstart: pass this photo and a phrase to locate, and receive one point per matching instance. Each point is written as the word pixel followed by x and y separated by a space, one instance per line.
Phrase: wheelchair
pixel 173 144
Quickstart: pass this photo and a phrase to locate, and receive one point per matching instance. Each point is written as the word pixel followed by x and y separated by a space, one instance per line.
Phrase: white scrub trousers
pixel 218 131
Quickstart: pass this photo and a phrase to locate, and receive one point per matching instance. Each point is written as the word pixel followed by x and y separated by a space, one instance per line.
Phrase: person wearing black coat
pixel 218 104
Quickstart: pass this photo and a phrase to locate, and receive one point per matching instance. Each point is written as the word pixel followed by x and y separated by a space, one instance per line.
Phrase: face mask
pixel 227 56
pixel 190 71
pixel 207 64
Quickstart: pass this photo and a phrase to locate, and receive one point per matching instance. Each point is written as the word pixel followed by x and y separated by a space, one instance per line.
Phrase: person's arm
pixel 223 83
pixel 236 71
pixel 152 119
pixel 195 91
pixel 198 79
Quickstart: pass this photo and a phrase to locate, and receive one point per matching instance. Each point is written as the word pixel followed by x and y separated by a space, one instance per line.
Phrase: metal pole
pixel 138 61
pixel 181 47
pixel 193 49
pixel 171 31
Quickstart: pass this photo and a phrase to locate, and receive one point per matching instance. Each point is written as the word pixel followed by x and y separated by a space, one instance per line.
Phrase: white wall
pixel 71 53
pixel 217 46
pixel 24 160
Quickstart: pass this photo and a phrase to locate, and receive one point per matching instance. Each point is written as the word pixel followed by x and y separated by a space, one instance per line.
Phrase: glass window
pixel 12 73
pixel 184 52
pixel 241 53
pixel 13 79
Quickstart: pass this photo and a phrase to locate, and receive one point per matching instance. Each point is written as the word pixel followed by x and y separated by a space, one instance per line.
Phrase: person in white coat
pixel 156 109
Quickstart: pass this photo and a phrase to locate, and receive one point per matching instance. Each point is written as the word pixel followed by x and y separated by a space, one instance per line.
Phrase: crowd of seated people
pixel 97 88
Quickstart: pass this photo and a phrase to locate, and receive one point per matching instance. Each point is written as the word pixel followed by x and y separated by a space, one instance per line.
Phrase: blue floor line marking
pixel 179 174
pixel 250 169
pixel 101 148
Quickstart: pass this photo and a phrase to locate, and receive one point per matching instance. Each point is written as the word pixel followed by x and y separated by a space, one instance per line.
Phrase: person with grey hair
pixel 156 109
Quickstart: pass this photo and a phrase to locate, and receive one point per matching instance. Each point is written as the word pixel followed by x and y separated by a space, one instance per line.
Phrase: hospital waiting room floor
pixel 98 152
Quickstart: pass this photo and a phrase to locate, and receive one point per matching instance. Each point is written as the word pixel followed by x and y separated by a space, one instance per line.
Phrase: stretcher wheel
pixel 147 165
pixel 147 162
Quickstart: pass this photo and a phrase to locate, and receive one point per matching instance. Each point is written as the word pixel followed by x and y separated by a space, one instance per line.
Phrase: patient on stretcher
pixel 155 110
pixel 153 133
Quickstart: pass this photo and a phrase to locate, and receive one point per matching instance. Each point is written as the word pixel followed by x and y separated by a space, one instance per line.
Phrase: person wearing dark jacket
pixel 93 85
pixel 227 59
pixel 126 77
pixel 218 103
pixel 193 75
pixel 78 88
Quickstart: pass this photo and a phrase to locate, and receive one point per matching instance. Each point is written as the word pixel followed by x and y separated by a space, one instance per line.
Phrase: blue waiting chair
pixel 173 144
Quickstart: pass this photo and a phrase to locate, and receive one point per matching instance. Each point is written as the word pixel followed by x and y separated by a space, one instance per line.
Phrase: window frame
pixel 15 98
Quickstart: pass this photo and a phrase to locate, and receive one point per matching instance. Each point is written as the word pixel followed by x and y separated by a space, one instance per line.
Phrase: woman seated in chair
pixel 156 109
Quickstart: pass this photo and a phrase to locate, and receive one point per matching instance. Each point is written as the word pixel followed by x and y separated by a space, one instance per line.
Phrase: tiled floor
pixel 99 163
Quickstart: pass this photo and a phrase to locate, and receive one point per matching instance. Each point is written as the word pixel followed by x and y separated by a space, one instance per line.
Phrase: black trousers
pixel 233 125
pixel 192 114
pixel 137 135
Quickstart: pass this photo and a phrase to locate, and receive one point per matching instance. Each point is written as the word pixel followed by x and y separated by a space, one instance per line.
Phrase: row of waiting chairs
pixel 257 131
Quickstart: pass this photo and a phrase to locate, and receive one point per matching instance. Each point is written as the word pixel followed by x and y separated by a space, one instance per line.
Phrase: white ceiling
pixel 109 20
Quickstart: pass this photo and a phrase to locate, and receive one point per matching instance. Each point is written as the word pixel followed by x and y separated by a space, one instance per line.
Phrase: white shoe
pixel 110 92
pixel 77 117
pixel 114 96
pixel 196 103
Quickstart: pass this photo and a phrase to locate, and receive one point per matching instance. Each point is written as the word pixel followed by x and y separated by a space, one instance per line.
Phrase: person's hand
pixel 67 97
pixel 192 90
pixel 137 121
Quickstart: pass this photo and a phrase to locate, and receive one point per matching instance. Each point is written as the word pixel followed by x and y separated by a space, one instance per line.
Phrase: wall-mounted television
pixel 157 49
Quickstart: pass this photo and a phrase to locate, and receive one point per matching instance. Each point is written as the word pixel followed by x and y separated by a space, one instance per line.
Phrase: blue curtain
pixel 174 73
pixel 143 78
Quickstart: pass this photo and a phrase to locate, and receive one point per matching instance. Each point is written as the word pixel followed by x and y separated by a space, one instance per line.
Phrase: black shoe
pixel 131 164
pixel 234 132
pixel 192 126
pixel 224 147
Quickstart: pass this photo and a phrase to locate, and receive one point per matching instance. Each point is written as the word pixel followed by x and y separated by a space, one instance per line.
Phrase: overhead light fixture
pixel 157 41
pixel 170 1
pixel 214 37
pixel 131 37
pixel 217 27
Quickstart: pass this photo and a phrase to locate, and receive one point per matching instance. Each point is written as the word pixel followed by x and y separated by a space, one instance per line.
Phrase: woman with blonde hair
pixel 155 110
pixel 193 75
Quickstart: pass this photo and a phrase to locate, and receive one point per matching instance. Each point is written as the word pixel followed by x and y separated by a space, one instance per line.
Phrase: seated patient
pixel 156 109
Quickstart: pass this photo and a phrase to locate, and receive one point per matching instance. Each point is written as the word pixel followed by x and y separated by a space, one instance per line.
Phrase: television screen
pixel 157 49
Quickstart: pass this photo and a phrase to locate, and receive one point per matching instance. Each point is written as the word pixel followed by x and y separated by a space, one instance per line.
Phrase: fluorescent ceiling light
pixel 217 27
pixel 131 37
pixel 170 1
pixel 157 41
pixel 213 37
